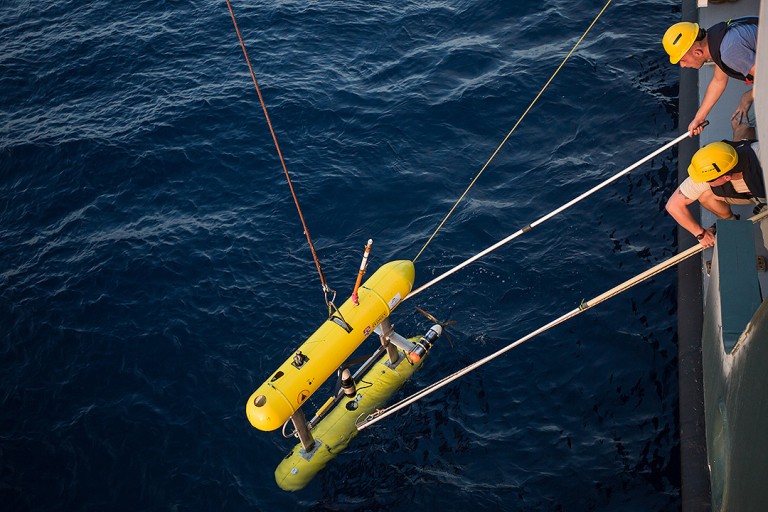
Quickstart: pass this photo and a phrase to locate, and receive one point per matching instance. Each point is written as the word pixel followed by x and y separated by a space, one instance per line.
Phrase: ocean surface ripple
pixel 154 272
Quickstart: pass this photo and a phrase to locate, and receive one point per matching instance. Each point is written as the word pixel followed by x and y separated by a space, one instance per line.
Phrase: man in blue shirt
pixel 732 45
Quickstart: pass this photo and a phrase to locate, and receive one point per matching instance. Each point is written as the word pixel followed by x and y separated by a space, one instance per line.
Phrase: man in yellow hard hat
pixel 721 174
pixel 730 44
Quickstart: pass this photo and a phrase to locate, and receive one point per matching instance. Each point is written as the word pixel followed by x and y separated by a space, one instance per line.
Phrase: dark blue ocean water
pixel 153 270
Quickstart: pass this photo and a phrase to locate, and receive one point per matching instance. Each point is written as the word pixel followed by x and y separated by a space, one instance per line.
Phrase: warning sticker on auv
pixel 394 302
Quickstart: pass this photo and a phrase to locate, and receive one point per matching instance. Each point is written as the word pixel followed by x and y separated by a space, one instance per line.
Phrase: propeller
pixel 432 319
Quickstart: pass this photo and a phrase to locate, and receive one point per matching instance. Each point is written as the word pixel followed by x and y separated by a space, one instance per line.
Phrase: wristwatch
pixel 701 235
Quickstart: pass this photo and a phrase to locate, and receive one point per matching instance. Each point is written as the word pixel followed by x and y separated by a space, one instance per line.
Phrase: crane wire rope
pixel 549 215
pixel 585 305
pixel 326 289
pixel 498 148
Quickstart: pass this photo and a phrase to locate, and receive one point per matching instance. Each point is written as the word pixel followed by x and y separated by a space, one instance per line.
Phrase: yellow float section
pixel 336 430
pixel 273 403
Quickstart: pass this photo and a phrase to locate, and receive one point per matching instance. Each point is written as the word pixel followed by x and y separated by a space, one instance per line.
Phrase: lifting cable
pixel 498 148
pixel 585 305
pixel 551 214
pixel 326 289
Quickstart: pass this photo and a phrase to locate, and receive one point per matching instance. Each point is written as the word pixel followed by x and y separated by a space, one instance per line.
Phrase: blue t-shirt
pixel 739 47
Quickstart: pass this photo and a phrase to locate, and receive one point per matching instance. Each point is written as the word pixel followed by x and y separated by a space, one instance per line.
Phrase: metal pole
pixel 386 332
pixel 548 216
pixel 305 436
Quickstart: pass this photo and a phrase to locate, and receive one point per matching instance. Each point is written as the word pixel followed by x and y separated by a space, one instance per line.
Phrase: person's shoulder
pixel 740 143
pixel 744 32
pixel 692 190
pixel 747 147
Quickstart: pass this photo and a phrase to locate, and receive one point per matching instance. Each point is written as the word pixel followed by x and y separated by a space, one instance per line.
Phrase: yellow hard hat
pixel 712 161
pixel 679 38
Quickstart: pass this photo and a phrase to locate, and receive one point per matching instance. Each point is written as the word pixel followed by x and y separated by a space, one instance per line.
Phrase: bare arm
pixel 740 115
pixel 746 101
pixel 677 206
pixel 741 130
pixel 714 91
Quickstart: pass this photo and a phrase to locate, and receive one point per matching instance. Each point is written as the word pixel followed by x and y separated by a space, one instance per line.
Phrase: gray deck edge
pixel 694 474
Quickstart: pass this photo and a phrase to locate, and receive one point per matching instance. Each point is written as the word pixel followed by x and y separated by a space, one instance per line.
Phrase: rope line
pixel 585 305
pixel 326 289
pixel 498 148
pixel 546 217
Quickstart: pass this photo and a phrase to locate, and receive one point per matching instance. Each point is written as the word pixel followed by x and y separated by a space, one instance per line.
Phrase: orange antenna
pixel 363 264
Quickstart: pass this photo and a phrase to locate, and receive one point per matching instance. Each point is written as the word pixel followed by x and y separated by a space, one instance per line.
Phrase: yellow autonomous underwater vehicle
pixel 280 398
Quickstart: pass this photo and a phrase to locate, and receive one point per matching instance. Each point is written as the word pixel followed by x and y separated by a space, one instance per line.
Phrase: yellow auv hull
pixel 273 403
pixel 334 432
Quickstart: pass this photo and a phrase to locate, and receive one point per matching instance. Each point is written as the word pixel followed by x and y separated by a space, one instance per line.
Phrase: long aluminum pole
pixel 547 216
